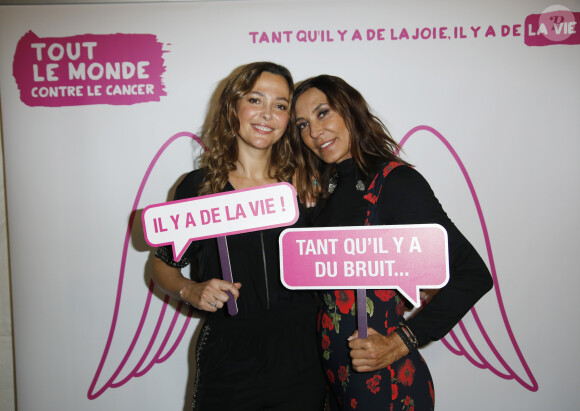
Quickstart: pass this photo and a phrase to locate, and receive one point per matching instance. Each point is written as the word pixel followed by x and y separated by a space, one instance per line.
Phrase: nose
pixel 267 113
pixel 315 130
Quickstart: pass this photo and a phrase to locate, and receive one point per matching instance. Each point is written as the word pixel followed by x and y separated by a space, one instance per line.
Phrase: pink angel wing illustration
pixel 167 334
pixel 453 342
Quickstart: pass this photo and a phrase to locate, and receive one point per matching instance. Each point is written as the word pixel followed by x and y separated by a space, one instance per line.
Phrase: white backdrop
pixel 508 113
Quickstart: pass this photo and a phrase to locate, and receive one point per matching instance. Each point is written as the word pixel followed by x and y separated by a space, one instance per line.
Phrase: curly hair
pixel 371 142
pixel 220 134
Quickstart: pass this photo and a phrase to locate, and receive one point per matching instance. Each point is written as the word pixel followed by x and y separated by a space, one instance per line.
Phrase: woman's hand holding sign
pixel 206 296
pixel 376 351
pixel 180 222
pixel 209 295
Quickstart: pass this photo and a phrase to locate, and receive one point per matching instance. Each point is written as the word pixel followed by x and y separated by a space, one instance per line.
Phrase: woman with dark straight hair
pixel 349 161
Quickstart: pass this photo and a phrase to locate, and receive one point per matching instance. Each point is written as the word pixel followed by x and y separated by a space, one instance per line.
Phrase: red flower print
pixel 385 295
pixel 330 376
pixel 327 322
pixel 407 400
pixel 353 404
pixel 392 372
pixel 373 384
pixel 391 330
pixel 342 373
pixel 394 391
pixel 400 308
pixel 325 342
pixel 411 408
pixel 406 373
pixel 344 300
pixel 371 198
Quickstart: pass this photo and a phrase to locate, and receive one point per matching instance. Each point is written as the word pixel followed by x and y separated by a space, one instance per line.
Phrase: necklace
pixel 333 182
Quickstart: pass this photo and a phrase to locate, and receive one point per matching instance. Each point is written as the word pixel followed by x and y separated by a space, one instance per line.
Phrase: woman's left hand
pixel 376 351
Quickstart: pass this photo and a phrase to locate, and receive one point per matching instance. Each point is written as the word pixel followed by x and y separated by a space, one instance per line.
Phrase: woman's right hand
pixel 376 351
pixel 209 295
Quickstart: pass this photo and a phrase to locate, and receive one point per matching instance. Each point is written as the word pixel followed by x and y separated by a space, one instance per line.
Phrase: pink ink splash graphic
pixel 116 380
pixel 115 69
pixel 552 27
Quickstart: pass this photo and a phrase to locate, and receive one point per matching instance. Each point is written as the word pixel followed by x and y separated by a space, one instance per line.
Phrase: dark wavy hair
pixel 371 143
pixel 220 134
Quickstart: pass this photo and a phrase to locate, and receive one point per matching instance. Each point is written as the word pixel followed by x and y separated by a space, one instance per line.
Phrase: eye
pixel 323 113
pixel 282 107
pixel 302 125
pixel 253 100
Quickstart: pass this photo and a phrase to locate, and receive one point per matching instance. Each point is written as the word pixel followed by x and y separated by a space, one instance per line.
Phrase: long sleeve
pixel 407 198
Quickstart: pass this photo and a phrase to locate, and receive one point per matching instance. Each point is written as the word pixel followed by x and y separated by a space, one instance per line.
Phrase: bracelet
pixel 408 337
pixel 411 336
pixel 181 296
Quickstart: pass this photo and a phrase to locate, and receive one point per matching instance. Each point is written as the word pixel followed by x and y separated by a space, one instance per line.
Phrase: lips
pixel 262 128
pixel 326 145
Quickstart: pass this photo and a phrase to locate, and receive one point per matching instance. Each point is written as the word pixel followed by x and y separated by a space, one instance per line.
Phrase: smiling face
pixel 263 113
pixel 321 128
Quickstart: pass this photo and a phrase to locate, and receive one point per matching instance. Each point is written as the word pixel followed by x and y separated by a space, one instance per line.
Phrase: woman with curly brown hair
pixel 265 357
pixel 362 181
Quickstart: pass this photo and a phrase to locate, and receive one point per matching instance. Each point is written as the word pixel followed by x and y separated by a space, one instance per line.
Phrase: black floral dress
pixel 406 385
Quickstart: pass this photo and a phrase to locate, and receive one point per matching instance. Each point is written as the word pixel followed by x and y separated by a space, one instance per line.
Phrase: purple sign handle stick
pixel 361 312
pixel 227 272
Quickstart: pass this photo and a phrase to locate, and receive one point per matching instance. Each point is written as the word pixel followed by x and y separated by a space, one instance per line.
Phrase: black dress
pixel 399 195
pixel 265 357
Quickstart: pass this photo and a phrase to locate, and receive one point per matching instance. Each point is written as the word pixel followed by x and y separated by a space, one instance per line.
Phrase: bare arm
pixel 199 295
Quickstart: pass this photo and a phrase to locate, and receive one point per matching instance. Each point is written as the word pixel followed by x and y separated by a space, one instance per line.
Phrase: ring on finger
pixel 213 303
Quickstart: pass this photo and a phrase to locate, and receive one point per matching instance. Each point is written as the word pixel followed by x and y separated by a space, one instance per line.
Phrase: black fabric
pixel 405 198
pixel 266 355
pixel 261 285
pixel 346 205
pixel 267 363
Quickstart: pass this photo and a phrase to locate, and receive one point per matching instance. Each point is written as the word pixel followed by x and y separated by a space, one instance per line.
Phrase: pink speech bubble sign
pixel 403 257
pixel 180 222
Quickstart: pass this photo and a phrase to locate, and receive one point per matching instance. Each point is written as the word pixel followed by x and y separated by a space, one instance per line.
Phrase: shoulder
pixel 405 177
pixel 407 198
pixel 399 179
pixel 189 185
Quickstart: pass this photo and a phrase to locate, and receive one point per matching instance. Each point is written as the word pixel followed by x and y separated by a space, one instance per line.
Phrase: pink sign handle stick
pixel 227 272
pixel 361 312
